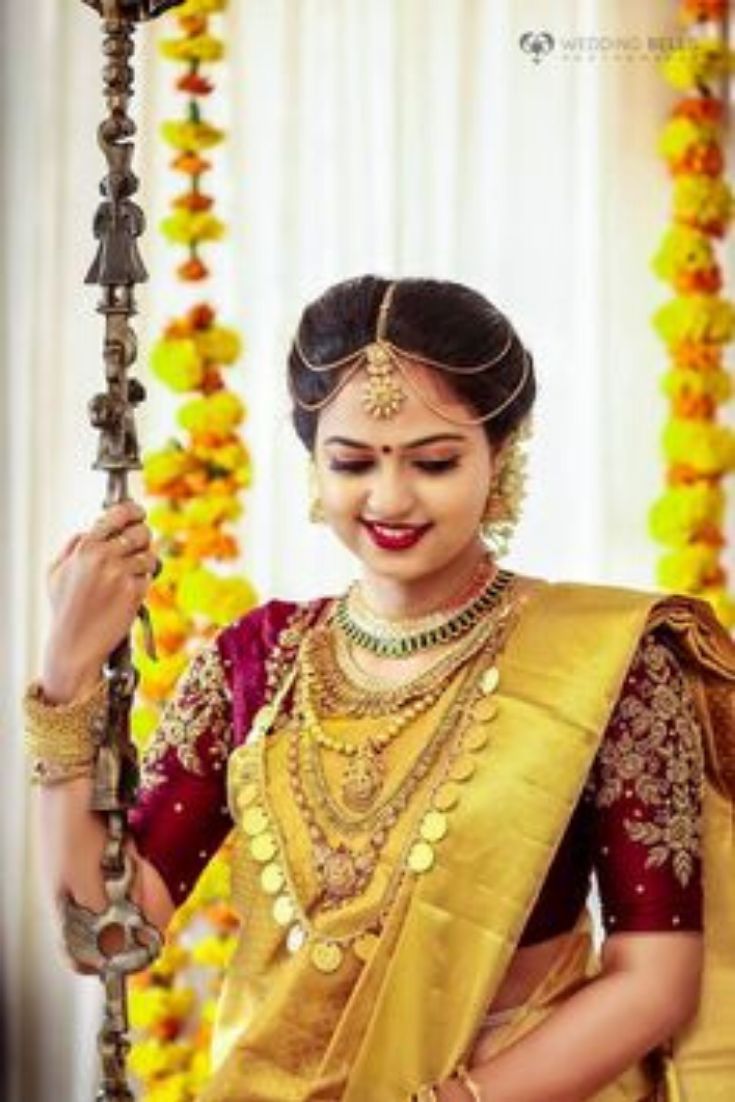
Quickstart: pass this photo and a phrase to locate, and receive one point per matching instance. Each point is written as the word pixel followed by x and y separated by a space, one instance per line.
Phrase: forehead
pixel 347 416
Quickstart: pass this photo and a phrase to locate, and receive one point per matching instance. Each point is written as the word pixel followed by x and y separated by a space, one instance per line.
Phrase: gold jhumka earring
pixel 505 500
pixel 316 509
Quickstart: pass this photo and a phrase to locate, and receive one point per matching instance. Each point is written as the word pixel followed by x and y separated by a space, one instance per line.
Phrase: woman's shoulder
pixel 598 597
pixel 266 623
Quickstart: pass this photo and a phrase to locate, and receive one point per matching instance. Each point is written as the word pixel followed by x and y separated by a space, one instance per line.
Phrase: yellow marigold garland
pixel 196 484
pixel 688 519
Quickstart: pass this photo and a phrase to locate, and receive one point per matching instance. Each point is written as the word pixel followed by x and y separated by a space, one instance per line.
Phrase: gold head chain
pixel 383 392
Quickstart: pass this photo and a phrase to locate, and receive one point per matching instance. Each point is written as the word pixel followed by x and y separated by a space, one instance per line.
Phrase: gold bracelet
pixel 467 1081
pixel 59 737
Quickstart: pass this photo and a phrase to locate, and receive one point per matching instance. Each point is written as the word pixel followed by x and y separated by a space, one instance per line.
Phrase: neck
pixel 395 598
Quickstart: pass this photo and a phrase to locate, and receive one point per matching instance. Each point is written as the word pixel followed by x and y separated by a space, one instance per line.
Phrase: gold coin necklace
pixel 341 871
pixel 267 846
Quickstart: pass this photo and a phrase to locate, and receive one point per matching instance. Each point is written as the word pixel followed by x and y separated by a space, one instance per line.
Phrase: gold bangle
pixel 59 738
pixel 467 1081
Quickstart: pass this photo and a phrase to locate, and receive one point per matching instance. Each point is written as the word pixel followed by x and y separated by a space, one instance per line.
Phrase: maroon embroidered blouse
pixel 636 826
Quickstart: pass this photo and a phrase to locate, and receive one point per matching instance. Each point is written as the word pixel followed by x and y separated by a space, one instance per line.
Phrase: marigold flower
pixel 218 413
pixel 698 63
pixel 201 317
pixel 193 200
pixel 191 163
pixel 716 385
pixel 150 1059
pixel 210 510
pixel 706 109
pixel 683 250
pixel 208 543
pixel 157 679
pixel 192 270
pixel 162 469
pixel 200 47
pixel 190 136
pixel 688 569
pixel 177 363
pixel 195 84
pixel 680 514
pixel 707 448
pixel 186 227
pixel 697 355
pixel 143 724
pixel 703 203
pixel 695 318
pixel 221 344
pixel 702 11
pixel 682 133
pixel 201 7
pixel 722 603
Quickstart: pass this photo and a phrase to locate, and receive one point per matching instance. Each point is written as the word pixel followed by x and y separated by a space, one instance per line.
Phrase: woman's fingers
pixel 133 539
pixel 116 519
pixel 142 564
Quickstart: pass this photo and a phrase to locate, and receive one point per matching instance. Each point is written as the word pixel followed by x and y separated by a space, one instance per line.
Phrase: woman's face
pixel 405 494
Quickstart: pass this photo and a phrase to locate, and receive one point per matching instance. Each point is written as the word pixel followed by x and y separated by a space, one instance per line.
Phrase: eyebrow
pixel 437 438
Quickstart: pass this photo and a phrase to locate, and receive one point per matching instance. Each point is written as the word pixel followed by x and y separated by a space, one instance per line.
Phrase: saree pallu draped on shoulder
pixel 419 1002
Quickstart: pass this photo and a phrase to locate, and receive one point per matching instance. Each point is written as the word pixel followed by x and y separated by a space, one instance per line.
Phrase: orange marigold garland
pixel 196 481
pixel 697 324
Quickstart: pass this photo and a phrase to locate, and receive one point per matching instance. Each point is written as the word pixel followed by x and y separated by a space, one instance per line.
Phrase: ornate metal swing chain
pixel 117 268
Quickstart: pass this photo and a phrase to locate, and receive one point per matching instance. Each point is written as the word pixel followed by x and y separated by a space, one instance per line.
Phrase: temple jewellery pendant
pixel 363 777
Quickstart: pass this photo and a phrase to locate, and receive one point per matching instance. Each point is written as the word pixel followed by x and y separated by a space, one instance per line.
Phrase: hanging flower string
pixel 698 323
pixel 195 482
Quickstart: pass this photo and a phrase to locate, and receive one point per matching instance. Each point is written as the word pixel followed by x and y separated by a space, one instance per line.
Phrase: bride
pixel 424 773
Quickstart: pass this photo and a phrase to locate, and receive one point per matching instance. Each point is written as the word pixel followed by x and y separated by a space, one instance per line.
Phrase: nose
pixel 390 497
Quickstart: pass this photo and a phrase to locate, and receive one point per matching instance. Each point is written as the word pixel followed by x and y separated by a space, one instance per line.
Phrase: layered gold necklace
pixel 348 835
pixel 321 680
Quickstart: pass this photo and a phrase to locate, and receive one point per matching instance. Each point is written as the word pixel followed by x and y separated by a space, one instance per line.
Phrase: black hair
pixel 438 319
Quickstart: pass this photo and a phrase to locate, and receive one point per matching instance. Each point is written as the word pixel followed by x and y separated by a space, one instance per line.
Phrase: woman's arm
pixel 73 841
pixel 648 989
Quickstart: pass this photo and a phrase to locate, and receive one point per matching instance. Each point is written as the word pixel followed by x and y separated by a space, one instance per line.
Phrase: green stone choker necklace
pixel 392 642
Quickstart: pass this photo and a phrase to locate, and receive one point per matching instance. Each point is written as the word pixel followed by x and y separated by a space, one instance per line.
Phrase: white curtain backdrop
pixel 403 137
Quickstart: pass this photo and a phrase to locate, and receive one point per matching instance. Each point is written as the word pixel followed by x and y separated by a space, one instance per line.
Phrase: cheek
pixel 341 497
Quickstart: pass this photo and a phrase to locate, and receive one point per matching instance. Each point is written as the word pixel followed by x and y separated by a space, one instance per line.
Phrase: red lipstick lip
pixel 400 538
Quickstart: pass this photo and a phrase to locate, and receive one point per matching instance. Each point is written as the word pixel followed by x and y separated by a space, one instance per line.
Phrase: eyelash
pixel 360 466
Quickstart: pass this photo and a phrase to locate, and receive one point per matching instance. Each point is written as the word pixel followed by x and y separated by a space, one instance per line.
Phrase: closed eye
pixel 360 466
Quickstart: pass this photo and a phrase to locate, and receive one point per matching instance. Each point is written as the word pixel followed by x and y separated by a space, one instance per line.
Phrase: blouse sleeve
pixel 181 817
pixel 646 792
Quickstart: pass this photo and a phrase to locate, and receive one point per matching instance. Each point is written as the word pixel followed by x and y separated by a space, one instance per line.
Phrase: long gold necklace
pixel 364 773
pixel 266 843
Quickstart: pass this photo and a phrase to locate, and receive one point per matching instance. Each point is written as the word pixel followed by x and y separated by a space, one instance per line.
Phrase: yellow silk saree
pixel 385 1022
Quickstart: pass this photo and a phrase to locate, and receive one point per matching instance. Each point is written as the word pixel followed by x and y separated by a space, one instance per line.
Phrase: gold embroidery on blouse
pixel 201 705
pixel 656 755
pixel 283 654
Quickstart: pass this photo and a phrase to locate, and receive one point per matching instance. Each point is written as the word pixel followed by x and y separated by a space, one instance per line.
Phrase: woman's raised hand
pixel 96 586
